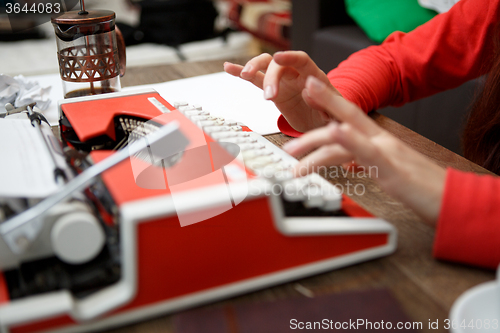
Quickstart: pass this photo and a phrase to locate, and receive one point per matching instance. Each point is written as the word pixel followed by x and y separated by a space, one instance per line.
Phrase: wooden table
pixel 425 287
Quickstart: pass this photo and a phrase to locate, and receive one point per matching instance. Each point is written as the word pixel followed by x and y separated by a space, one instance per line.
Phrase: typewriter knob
pixel 77 237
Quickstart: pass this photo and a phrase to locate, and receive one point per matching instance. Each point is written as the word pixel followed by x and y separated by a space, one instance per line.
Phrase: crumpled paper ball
pixel 19 91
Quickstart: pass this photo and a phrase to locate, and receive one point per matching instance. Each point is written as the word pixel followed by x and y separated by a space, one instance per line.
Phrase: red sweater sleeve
pixel 468 229
pixel 447 51
pixel 441 54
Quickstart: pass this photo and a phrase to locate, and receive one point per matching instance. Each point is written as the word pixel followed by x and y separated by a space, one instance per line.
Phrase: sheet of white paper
pixel 56 93
pixel 226 96
pixel 221 94
pixel 26 169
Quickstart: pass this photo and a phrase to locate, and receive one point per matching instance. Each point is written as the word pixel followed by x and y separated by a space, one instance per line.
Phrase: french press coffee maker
pixel 90 50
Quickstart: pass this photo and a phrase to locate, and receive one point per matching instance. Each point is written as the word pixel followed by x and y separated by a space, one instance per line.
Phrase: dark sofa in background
pixel 324 30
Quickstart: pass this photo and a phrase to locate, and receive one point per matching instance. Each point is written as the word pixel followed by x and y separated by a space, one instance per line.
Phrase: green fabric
pixel 380 18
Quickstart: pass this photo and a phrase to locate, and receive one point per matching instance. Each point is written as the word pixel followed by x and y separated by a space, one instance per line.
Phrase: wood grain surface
pixel 425 287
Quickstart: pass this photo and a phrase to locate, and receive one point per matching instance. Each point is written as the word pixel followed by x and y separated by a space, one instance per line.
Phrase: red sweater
pixel 442 54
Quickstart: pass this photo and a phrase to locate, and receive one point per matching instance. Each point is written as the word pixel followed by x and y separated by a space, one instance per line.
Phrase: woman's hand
pixel 402 172
pixel 283 79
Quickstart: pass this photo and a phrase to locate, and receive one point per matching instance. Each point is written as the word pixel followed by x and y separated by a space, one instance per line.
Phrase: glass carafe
pixel 91 60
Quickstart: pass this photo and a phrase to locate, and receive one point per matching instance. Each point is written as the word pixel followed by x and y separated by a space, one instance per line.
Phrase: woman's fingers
pixel 253 70
pixel 328 154
pixel 337 143
pixel 312 103
pixel 255 65
pixel 233 69
pixel 271 80
pixel 339 107
pixel 274 74
pixel 301 62
pixel 366 153
pixel 236 70
pixel 289 65
pixel 311 140
pixel 325 156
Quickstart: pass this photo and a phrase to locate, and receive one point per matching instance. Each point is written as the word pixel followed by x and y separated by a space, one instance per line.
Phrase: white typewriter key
pixel 243 139
pixel 250 154
pixel 226 128
pixel 256 164
pixel 256 153
pixel 197 107
pixel 265 152
pixel 246 147
pixel 281 175
pixel 275 173
pixel 332 198
pixel 198 118
pixel 275 159
pixel 264 160
pixel 211 129
pixel 205 123
pixel 267 172
pixel 234 140
pixel 223 135
pixel 236 128
pixel 249 139
pixel 197 113
pixel 294 190
pixel 230 122
pixel 251 146
pixel 178 104
pixel 185 109
pixel 332 202
pixel 314 196
pixel 238 139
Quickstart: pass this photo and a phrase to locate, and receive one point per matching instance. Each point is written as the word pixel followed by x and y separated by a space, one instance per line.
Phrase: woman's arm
pixel 441 54
pixel 464 206
pixel 468 227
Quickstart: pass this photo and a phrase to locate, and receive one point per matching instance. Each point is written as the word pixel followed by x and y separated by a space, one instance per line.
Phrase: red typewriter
pixel 149 236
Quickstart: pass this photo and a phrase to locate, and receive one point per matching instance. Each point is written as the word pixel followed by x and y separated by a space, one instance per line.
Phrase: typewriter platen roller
pixel 198 226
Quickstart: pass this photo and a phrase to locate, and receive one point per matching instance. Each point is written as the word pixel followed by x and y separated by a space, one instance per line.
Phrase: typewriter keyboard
pixel 266 160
